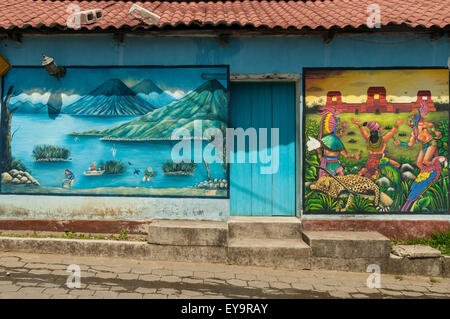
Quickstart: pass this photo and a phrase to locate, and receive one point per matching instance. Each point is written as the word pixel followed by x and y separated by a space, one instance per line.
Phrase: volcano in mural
pixel 112 98
pixel 207 103
pixel 107 131
pixel 152 93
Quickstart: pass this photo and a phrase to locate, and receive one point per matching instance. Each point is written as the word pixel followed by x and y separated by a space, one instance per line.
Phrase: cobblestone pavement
pixel 25 275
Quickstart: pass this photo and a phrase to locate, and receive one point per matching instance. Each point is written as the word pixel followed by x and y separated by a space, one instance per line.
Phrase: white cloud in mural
pixel 178 94
pixel 35 98
pixel 69 99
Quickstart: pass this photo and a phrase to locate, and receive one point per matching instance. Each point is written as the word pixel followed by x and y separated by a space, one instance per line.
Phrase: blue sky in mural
pixel 36 86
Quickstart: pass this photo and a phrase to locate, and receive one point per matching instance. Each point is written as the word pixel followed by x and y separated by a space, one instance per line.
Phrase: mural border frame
pixel 303 138
pixel 226 66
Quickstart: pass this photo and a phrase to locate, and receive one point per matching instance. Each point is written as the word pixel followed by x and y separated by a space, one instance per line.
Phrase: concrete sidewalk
pixel 24 275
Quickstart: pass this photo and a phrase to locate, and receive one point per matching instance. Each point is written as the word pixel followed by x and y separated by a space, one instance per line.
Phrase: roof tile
pixel 284 14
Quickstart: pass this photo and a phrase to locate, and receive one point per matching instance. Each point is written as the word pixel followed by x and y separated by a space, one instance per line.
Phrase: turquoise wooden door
pixel 263 105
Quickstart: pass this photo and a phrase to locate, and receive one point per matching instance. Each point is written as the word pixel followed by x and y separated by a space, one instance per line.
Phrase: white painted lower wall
pixel 132 208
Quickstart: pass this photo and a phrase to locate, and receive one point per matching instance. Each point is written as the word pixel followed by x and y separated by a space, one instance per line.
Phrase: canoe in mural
pixel 376 141
pixel 108 131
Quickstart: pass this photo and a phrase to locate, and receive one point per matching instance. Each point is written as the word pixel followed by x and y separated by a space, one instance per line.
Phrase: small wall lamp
pixel 52 69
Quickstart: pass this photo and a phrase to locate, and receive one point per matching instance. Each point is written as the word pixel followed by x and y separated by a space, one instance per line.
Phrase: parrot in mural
pixel 428 175
pixel 393 174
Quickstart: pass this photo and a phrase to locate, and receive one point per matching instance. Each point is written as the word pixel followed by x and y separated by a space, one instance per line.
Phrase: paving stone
pixel 55 291
pixel 12 264
pixel 339 294
pixel 162 272
pixel 35 266
pixel 170 279
pixel 26 283
pixel 412 293
pixel 66 296
pixel 279 285
pixel 128 276
pixel 237 282
pixel 129 295
pixel 183 273
pixel 192 280
pixel 31 290
pixel 9 288
pixel 224 275
pixel 149 277
pixel 48 285
pixel 5 282
pixel 106 294
pixel 118 289
pixel 258 284
pixel 98 287
pixel 204 274
pixel 106 275
pixel 168 291
pixel 40 271
pixel 81 292
pixel 367 290
pixel 301 286
pixel 323 288
pixel 360 296
pixel 287 279
pixel 144 290
pixel 185 292
pixel 154 296
pixel 390 292
pixel 439 289
pixel 247 277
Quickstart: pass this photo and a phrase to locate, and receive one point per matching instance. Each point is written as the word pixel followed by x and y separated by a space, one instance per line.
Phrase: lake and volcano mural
pixel 376 141
pixel 110 131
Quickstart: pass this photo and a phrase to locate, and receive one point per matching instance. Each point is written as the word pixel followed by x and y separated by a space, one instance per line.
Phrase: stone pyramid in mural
pixel 152 93
pixel 112 98
pixel 207 103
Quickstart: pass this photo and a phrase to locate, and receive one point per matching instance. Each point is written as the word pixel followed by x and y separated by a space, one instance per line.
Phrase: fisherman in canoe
pixel 92 167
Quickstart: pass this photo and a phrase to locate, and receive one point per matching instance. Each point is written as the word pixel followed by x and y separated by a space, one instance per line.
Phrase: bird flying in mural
pixel 428 175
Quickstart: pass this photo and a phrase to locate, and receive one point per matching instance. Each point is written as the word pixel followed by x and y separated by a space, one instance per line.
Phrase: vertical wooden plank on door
pixel 240 183
pixel 283 195
pixel 261 118
pixel 264 105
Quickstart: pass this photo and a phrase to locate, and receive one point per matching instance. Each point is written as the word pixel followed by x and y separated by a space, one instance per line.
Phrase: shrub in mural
pixel 108 131
pixel 376 141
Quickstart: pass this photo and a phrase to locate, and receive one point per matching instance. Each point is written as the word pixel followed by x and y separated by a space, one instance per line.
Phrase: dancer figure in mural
pixel 330 146
pixel 69 177
pixel 376 144
pixel 427 159
pixel 423 132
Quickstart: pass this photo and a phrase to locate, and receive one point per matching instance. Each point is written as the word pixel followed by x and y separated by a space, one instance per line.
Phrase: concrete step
pixel 347 244
pixel 188 233
pixel 254 227
pixel 285 253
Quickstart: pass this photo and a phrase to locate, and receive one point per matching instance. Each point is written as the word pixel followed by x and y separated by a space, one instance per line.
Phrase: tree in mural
pixel 5 153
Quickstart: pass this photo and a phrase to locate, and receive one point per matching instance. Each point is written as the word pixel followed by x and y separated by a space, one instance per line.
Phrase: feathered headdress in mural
pixel 329 121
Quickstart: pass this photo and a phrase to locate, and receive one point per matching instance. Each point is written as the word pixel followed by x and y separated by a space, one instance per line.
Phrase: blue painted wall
pixel 244 55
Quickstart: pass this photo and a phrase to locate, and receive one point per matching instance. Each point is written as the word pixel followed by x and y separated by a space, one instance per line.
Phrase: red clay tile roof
pixel 42 14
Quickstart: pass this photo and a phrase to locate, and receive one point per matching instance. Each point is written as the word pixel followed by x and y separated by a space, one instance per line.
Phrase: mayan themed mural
pixel 376 141
pixel 108 131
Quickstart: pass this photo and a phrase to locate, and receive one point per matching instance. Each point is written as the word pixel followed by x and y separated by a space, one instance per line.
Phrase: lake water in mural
pixel 110 134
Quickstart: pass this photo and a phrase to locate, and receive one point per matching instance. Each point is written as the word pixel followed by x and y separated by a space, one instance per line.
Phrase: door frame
pixel 296 79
